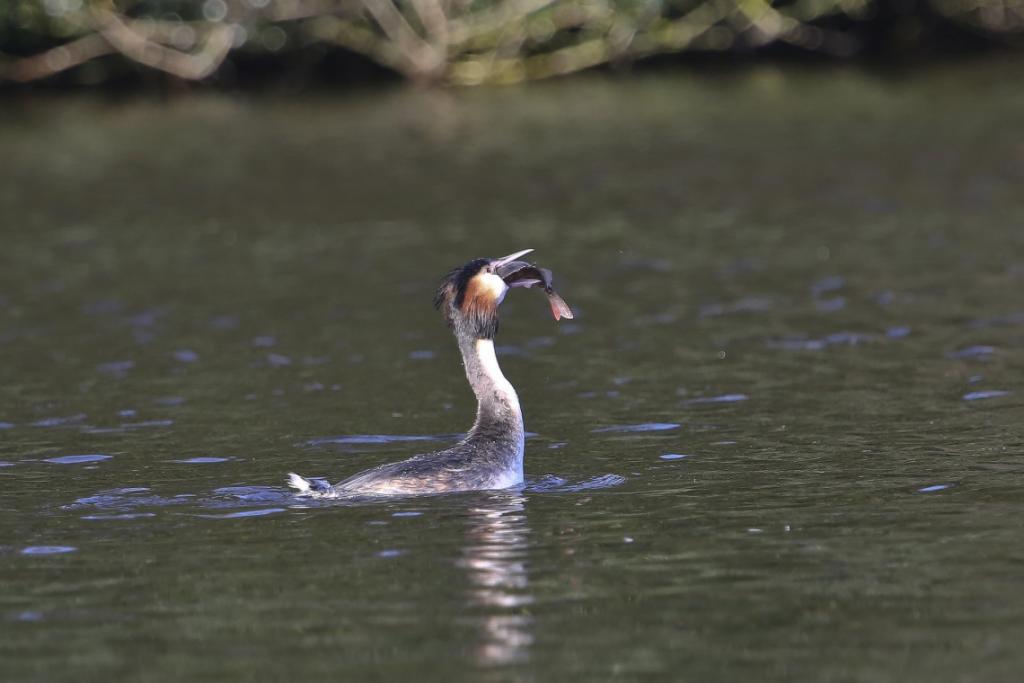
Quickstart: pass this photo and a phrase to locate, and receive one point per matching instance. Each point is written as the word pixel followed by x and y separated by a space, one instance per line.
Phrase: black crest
pixel 450 297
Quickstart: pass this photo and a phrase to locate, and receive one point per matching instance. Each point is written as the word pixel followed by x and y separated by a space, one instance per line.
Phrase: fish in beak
pixel 524 274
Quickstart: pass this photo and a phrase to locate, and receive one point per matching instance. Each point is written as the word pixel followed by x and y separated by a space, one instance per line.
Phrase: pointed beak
pixel 514 272
pixel 505 260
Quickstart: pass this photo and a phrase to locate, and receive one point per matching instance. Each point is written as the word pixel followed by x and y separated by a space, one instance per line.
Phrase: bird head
pixel 469 296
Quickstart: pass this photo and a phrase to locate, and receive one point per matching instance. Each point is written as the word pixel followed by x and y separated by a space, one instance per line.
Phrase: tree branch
pixel 185 65
pixel 421 59
pixel 60 58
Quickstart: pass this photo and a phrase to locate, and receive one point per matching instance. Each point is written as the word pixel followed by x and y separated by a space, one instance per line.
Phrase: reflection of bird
pixel 495 560
pixel 491 455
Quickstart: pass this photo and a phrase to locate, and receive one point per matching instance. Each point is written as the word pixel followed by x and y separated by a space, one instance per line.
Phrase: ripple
pixel 6 425
pixel 724 398
pixel 48 549
pixel 250 494
pixel 604 481
pixel 27 615
pixel 123 501
pixel 117 368
pixel 982 395
pixel 118 499
pixel 421 355
pixel 665 318
pixel 224 322
pixel 836 303
pixel 103 430
pixel 673 456
pixel 127 427
pixel 642 427
pixel 509 350
pixel 848 338
pixel 746 305
pixel 202 460
pixel 147 423
pixel 278 360
pixel 898 332
pixel 834 339
pixel 121 516
pixel 540 342
pixel 999 321
pixel 101 307
pixel 59 421
pixel 147 318
pixel 828 284
pixel 263 512
pixel 186 356
pixel 550 483
pixel 936 487
pixel 797 344
pixel 75 459
pixel 377 438
pixel 979 351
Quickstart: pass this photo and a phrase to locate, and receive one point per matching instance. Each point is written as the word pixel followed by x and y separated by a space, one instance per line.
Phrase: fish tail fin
pixel 559 309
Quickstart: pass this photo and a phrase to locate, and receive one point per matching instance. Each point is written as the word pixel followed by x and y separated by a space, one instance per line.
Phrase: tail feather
pixel 303 485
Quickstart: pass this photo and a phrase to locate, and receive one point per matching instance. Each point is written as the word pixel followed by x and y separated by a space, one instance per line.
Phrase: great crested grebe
pixel 491 454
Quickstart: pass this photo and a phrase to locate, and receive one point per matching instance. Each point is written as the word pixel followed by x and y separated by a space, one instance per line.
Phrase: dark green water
pixel 811 282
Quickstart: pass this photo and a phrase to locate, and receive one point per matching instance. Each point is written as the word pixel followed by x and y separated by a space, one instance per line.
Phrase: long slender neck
pixel 498 416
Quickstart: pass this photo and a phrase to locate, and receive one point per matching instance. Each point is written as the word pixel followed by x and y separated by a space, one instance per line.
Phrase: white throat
pixel 488 359
pixel 498 412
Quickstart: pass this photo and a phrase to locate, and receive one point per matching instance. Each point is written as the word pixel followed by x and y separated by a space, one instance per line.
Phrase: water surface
pixel 782 440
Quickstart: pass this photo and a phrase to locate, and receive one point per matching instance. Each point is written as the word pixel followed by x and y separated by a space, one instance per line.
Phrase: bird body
pixel 491 454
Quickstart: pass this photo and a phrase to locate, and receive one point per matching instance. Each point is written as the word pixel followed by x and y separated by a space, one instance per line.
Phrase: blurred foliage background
pixel 462 42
